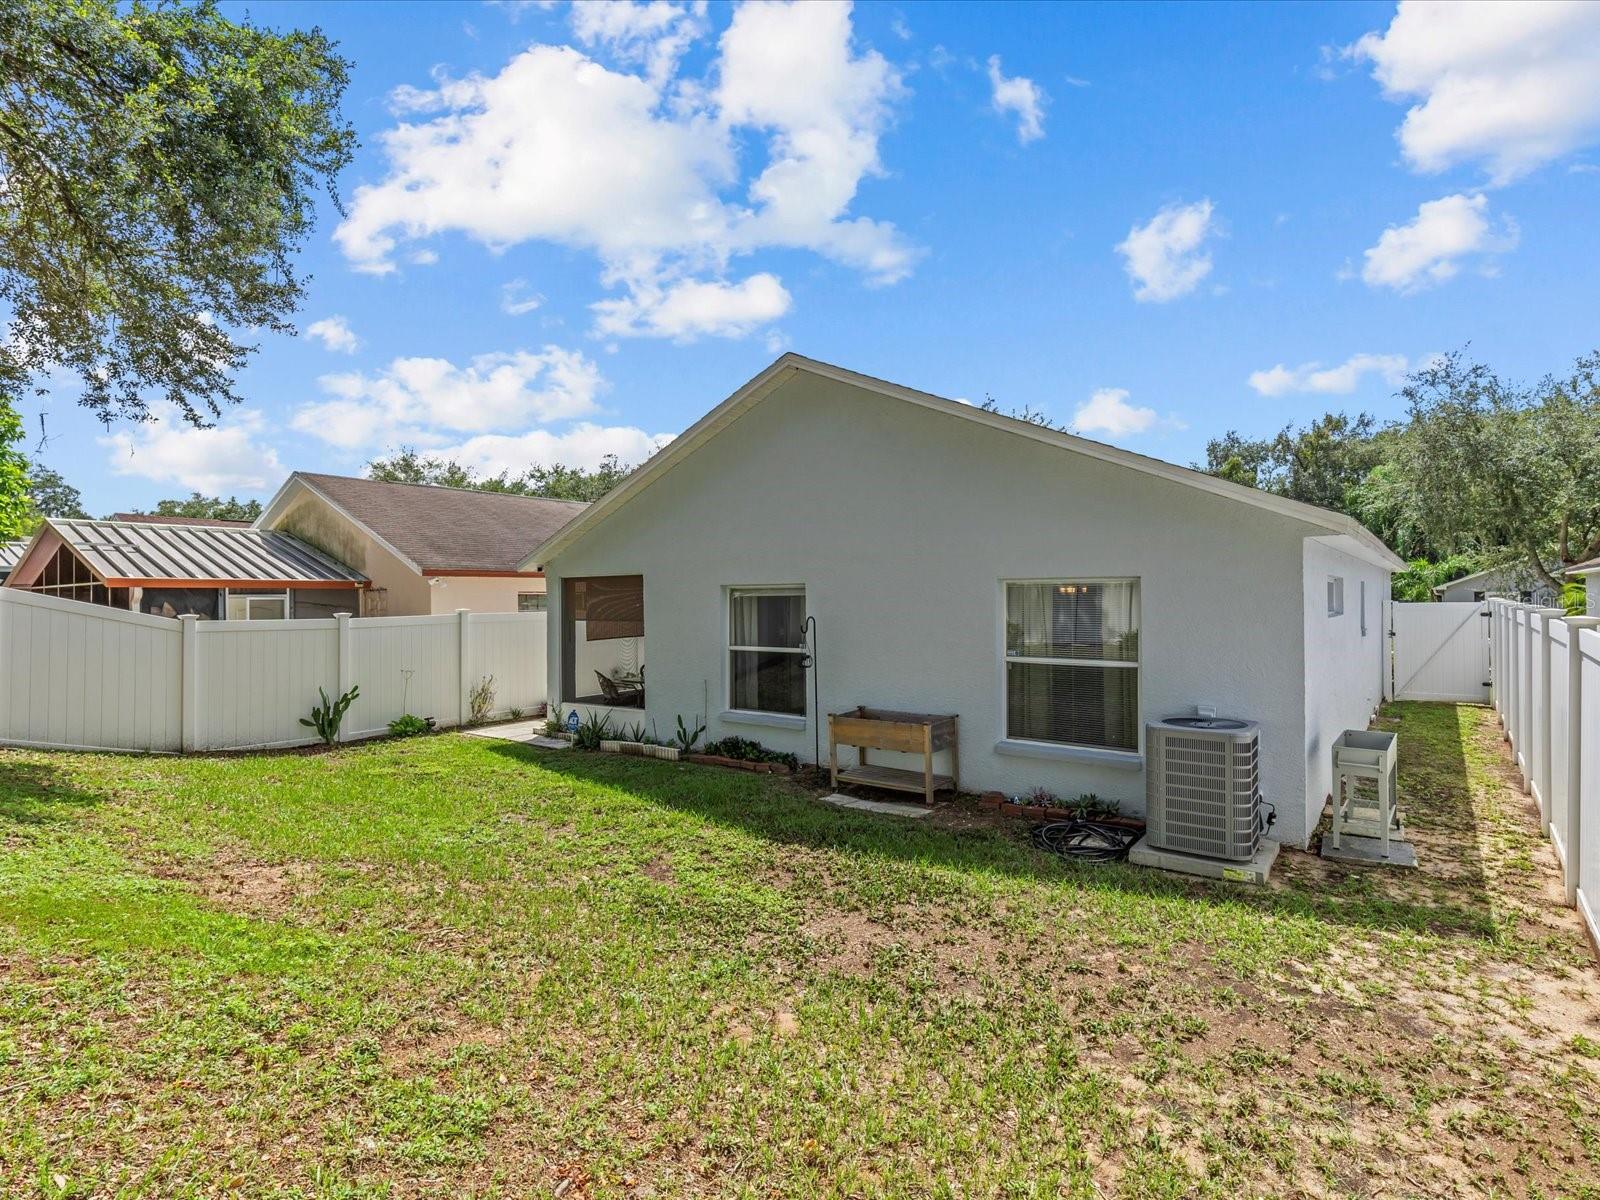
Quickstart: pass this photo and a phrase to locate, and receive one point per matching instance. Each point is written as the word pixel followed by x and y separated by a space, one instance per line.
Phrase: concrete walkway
pixel 529 733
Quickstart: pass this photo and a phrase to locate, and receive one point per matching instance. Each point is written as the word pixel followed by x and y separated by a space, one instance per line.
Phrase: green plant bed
pixel 747 750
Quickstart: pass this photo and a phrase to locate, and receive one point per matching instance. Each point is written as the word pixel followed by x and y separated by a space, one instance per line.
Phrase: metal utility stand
pixel 1373 821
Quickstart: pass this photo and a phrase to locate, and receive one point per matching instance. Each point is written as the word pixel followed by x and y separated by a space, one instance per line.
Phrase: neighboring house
pixel 1053 592
pixel 9 553
pixel 213 572
pixel 1512 582
pixel 426 549
pixel 1589 572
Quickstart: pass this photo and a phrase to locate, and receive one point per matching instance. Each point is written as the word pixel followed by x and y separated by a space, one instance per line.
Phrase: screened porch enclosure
pixel 602 641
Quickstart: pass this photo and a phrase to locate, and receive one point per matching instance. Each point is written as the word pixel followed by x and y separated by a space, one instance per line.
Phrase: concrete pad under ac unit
pixel 1254 870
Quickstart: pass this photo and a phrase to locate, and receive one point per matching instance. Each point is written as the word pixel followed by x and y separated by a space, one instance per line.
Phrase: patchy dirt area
pixel 238 883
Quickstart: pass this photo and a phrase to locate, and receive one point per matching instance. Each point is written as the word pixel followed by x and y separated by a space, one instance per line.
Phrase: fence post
pixel 1544 716
pixel 6 600
pixel 1575 627
pixel 1525 692
pixel 344 654
pixel 464 616
pixel 189 685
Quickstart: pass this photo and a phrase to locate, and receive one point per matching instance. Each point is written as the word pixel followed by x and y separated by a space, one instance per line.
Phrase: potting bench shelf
pixel 907 733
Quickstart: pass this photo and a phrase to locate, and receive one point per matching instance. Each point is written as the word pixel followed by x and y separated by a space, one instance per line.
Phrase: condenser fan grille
pixel 1203 790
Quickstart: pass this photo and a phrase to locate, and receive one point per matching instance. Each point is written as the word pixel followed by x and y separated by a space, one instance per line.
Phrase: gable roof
pixel 1515 570
pixel 439 530
pixel 133 554
pixel 1354 536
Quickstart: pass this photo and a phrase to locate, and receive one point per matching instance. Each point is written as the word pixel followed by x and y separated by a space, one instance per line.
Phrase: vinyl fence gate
pixel 1441 651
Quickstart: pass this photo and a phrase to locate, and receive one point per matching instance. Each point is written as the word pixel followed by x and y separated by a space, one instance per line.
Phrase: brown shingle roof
pixel 448 529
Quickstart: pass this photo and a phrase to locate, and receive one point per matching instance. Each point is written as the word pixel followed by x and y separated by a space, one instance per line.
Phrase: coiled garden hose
pixel 1085 841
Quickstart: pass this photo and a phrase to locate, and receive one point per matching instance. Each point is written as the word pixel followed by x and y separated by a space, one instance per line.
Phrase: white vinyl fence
pixel 82 676
pixel 1546 671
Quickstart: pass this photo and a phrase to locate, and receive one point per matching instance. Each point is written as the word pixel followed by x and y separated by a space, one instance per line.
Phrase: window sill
pixel 744 716
pixel 1122 760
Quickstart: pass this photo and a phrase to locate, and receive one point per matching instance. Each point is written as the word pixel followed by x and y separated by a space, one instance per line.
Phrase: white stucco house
pixel 1053 592
pixel 1514 582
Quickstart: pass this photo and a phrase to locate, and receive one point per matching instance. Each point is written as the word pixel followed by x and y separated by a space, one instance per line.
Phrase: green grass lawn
pixel 459 967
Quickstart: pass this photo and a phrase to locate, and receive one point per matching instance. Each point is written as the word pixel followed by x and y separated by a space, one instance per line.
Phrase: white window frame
pixel 545 607
pixel 759 716
pixel 287 596
pixel 1035 747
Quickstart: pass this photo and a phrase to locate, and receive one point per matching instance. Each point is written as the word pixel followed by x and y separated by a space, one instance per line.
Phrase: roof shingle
pixel 445 530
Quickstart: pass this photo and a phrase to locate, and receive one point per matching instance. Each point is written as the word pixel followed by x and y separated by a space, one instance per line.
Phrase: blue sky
pixel 573 230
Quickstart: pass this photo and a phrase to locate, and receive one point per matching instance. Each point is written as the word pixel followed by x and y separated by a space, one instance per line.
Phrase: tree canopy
pixel 52 496
pixel 161 165
pixel 15 511
pixel 556 482
pixel 210 508
pixel 1481 472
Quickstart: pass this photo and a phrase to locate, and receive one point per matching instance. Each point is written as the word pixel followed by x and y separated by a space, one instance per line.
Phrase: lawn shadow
pixel 35 792
pixel 1436 790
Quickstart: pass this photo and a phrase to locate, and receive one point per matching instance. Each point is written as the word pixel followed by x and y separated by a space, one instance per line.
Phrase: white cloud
pixel 640 165
pixel 1340 380
pixel 583 445
pixel 791 69
pixel 1107 411
pixel 1428 249
pixel 335 334
pixel 222 459
pixel 690 309
pixel 421 399
pixel 1164 257
pixel 1511 84
pixel 516 300
pixel 1020 95
pixel 654 35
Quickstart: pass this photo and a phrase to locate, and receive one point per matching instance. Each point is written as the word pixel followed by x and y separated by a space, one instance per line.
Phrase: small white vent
pixel 1203 786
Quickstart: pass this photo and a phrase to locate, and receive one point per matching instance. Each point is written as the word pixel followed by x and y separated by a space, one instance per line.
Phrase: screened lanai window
pixel 1072 662
pixel 766 655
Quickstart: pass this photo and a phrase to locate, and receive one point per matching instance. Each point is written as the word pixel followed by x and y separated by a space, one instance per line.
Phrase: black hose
pixel 1085 841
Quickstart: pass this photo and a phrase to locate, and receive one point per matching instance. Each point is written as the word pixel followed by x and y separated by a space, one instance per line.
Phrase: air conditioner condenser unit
pixel 1203 787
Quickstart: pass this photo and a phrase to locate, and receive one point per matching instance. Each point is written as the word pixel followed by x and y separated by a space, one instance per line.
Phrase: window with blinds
pixel 1072 662
pixel 766 655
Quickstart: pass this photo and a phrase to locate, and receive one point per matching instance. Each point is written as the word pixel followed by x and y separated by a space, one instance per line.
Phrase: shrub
pixel 554 725
pixel 410 726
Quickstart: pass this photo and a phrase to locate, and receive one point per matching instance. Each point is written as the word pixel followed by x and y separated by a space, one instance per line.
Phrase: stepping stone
pixel 893 808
